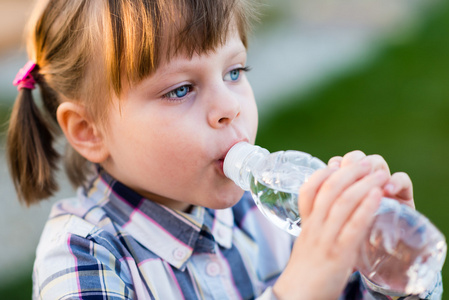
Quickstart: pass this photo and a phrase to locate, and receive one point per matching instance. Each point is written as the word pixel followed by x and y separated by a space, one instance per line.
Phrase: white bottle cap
pixel 235 159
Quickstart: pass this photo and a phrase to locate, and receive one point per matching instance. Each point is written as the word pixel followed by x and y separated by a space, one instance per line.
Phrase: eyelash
pixel 190 86
pixel 189 89
pixel 242 69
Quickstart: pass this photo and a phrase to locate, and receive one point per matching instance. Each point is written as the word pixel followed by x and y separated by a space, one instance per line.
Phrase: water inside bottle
pixel 280 207
pixel 402 251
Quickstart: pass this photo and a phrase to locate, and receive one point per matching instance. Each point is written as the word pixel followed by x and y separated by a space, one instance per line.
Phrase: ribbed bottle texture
pixel 404 251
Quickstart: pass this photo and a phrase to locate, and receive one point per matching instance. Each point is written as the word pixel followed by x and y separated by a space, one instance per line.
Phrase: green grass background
pixel 397 106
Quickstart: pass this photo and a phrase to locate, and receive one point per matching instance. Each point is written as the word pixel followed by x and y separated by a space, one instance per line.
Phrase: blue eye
pixel 182 91
pixel 178 92
pixel 234 75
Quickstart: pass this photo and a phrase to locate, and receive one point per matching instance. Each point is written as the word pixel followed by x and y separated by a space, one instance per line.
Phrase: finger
pixel 350 199
pixel 355 230
pixel 400 187
pixel 378 162
pixel 308 191
pixel 352 158
pixel 399 184
pixel 335 162
pixel 334 186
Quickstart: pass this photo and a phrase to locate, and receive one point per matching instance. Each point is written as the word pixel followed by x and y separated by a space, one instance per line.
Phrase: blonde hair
pixel 85 50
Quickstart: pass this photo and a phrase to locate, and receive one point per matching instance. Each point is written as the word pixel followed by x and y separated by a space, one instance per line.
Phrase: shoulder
pixel 79 219
pixel 74 252
pixel 72 216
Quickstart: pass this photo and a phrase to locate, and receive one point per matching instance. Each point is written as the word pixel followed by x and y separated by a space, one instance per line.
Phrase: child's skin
pixel 167 139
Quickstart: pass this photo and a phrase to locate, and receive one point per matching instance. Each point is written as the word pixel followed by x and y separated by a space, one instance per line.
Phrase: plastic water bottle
pixel 403 252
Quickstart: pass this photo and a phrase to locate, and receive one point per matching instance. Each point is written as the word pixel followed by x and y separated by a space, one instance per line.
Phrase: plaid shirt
pixel 110 243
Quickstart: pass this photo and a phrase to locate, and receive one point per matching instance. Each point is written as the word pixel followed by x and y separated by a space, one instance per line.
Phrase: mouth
pixel 220 165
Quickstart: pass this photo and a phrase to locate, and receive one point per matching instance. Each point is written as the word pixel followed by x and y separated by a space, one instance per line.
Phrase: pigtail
pixel 31 155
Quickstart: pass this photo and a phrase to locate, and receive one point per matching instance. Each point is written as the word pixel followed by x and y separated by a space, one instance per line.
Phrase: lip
pixel 220 165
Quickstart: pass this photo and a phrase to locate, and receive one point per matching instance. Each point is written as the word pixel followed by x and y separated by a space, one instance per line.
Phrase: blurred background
pixel 329 77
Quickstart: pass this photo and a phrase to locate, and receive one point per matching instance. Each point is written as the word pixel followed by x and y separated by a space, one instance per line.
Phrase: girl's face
pixel 169 135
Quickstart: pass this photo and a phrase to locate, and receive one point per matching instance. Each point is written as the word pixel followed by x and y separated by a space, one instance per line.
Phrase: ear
pixel 81 132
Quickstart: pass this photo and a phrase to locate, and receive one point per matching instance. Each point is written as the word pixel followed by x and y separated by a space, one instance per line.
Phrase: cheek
pixel 177 144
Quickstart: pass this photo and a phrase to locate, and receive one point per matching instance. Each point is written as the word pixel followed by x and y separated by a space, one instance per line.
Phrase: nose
pixel 224 108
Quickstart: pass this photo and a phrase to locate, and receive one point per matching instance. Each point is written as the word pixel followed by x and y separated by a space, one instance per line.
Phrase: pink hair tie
pixel 24 79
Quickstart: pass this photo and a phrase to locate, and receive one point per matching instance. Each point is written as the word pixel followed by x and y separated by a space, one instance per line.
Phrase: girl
pixel 150 95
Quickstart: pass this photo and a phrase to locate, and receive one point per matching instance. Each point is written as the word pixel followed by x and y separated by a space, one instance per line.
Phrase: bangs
pixel 143 33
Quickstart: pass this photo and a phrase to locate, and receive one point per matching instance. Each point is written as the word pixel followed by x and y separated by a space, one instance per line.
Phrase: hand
pixel 398 187
pixel 337 206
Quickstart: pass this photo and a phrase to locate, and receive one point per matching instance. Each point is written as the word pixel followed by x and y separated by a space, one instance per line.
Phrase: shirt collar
pixel 170 234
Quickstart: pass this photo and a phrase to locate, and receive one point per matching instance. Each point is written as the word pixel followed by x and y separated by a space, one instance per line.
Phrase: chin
pixel 227 200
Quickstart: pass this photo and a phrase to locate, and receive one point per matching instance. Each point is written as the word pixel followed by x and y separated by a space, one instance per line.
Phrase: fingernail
pixel 390 188
pixel 365 162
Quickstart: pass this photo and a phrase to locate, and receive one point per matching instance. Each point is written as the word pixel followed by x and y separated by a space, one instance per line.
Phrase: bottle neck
pixel 241 159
